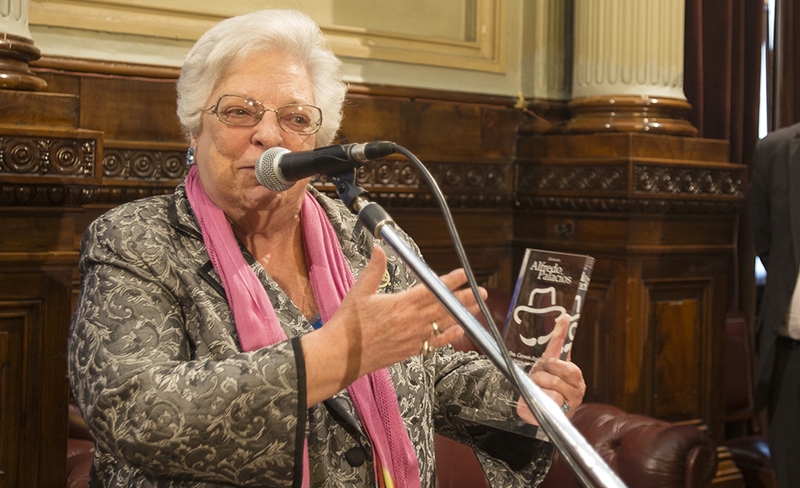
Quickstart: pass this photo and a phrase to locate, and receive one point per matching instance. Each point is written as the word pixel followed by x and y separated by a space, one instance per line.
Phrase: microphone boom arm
pixel 585 462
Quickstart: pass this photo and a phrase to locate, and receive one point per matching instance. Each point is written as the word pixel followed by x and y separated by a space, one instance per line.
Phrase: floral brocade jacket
pixel 172 401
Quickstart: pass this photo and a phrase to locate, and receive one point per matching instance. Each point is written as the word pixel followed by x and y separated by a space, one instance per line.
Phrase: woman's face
pixel 226 155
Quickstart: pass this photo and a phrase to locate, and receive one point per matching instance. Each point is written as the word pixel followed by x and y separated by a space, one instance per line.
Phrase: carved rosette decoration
pixel 42 156
pixel 688 181
pixel 144 164
pixel 53 171
pixel 602 178
pixel 642 188
pixel 400 184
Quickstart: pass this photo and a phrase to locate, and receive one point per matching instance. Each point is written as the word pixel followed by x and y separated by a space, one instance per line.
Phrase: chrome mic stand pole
pixel 582 458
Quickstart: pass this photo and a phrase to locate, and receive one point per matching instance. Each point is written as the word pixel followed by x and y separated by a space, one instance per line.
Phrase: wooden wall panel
pixel 372 119
pixel 35 387
pixel 676 344
pixel 130 109
pixel 485 234
pixel 593 349
pixel 661 225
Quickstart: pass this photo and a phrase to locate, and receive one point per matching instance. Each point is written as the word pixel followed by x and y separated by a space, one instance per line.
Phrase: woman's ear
pixel 190 153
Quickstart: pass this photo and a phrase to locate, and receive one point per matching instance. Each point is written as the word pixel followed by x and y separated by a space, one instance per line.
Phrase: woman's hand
pixel 371 330
pixel 560 380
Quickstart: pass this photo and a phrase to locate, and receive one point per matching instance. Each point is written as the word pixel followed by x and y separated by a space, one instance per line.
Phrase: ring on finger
pixel 436 330
pixel 565 407
pixel 427 350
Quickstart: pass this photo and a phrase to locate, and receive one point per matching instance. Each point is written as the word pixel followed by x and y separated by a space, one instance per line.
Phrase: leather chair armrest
pixel 642 450
pixel 80 450
pixel 80 453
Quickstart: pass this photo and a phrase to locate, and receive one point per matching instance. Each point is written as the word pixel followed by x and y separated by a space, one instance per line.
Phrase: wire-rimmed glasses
pixel 241 111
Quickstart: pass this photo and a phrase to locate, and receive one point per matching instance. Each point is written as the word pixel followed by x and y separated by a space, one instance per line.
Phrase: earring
pixel 190 156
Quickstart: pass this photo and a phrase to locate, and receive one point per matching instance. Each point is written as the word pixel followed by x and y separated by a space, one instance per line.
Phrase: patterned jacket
pixel 172 401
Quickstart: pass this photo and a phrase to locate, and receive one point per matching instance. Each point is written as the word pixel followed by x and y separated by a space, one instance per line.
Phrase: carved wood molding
pixel 591 178
pixel 15 55
pixel 629 113
pixel 653 187
pixel 61 169
pixel 396 183
pixel 627 205
pixel 457 177
pixel 49 155
pixel 45 195
pixel 694 181
pixel 69 168
pixel 136 164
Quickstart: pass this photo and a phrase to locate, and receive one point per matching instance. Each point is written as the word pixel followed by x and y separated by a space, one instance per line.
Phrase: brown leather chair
pixel 643 451
pixel 80 450
pixel 744 438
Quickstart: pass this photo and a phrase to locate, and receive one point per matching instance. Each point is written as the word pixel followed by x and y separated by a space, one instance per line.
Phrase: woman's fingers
pixel 560 380
pixel 561 376
pixel 428 306
pixel 448 335
pixel 386 328
pixel 556 343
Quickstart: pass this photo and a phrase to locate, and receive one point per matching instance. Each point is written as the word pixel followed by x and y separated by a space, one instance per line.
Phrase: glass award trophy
pixel 550 284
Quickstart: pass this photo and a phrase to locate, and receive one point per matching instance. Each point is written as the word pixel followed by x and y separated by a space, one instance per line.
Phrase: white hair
pixel 232 39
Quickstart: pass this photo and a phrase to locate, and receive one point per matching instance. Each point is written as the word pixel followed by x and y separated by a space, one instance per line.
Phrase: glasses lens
pixel 300 119
pixel 235 110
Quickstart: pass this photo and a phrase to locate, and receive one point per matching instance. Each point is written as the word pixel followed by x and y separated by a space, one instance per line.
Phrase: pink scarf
pixel 257 324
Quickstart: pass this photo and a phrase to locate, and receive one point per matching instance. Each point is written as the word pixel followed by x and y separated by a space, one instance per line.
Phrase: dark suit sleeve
pixel 760 199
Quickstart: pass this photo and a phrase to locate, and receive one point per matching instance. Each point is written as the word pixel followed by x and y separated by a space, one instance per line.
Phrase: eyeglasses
pixel 245 112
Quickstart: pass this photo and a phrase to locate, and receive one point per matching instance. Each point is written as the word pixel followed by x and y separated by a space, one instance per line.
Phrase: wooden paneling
pixel 593 348
pixel 38 109
pixel 32 432
pixel 130 109
pixel 676 329
pixel 659 214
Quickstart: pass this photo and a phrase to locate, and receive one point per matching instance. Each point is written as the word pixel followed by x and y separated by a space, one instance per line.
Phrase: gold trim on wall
pixel 481 49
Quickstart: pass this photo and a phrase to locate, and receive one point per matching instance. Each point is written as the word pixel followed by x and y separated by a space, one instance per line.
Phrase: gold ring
pixel 436 330
pixel 427 350
pixel 565 407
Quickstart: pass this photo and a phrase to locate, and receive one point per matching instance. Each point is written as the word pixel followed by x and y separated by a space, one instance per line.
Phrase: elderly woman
pixel 228 335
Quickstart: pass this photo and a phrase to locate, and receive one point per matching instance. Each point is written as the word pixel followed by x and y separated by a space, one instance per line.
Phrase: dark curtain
pixel 722 71
pixel 784 76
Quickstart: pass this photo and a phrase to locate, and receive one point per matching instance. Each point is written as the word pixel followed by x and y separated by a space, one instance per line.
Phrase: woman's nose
pixel 267 131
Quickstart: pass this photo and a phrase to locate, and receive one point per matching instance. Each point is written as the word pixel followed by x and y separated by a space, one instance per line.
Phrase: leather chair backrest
pixel 642 450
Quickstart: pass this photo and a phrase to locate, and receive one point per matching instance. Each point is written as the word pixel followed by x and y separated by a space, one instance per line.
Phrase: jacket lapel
pixel 181 219
pixel 794 194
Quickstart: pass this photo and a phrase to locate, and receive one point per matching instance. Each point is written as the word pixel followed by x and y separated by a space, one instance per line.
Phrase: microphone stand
pixel 581 457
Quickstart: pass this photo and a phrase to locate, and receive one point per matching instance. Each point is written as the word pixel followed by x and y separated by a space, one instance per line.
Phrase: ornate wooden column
pixel 626 180
pixel 628 67
pixel 16 48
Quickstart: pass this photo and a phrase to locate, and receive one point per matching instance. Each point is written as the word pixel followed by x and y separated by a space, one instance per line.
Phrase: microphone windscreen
pixel 267 171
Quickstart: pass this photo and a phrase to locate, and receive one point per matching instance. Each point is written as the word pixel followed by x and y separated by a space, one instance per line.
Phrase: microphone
pixel 278 168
